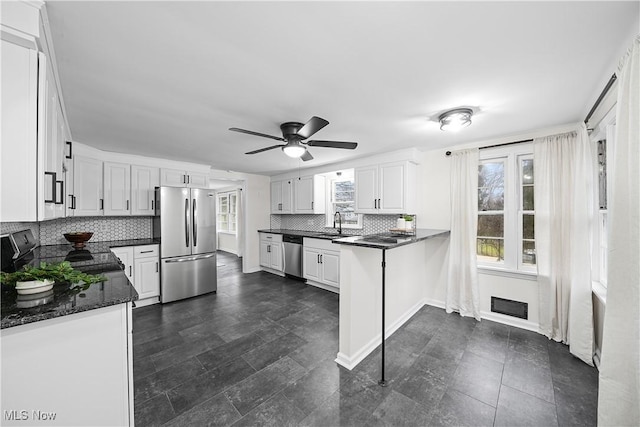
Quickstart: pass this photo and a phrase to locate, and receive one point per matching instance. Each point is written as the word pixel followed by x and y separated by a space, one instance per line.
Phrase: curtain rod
pixel 601 97
pixel 448 153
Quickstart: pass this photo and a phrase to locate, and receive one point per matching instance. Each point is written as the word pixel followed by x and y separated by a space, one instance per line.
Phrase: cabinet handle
pixel 321 260
pixel 156 267
pixel 59 184
pixel 379 204
pixel 311 205
pixel 69 143
pixel 73 201
pixel 53 187
pixel 146 252
pixel 188 179
pixel 129 271
pixel 375 203
pixel 318 259
pixel 151 204
pixel 101 204
pixel 268 248
pixel 127 205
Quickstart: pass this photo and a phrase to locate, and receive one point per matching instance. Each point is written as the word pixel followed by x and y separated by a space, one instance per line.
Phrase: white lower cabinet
pixel 271 252
pixel 73 370
pixel 321 263
pixel 142 268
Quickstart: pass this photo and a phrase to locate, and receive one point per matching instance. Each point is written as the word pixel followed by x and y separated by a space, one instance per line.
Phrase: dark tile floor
pixel 261 352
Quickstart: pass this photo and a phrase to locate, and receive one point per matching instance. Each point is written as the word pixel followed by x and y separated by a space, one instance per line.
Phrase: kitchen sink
pixel 334 235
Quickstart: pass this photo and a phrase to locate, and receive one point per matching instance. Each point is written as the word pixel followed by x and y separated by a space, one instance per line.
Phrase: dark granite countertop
pixel 65 299
pixel 389 240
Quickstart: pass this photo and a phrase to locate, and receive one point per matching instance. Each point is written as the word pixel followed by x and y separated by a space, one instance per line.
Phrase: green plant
pixel 408 217
pixel 61 272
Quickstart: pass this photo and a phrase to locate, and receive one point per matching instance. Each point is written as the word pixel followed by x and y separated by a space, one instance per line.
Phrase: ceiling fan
pixel 294 134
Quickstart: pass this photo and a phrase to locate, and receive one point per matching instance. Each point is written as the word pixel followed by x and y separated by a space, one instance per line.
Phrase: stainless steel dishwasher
pixel 292 255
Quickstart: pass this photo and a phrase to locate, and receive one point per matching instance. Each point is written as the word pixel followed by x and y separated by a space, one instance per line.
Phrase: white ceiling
pixel 167 79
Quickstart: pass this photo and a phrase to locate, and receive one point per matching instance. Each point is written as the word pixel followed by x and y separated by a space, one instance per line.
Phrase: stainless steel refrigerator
pixel 185 223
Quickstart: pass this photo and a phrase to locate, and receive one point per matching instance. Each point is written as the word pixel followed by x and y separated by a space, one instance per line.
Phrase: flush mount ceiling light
pixel 454 120
pixel 294 150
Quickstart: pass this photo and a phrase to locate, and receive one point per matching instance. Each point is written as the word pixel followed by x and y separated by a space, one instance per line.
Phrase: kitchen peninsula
pixel 411 265
pixel 74 339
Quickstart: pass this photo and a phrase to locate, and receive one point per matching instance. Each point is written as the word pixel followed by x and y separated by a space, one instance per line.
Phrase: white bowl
pixel 34 286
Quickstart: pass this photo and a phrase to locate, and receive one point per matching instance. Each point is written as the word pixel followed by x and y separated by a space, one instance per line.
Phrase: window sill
pixel 524 275
pixel 600 292
pixel 227 232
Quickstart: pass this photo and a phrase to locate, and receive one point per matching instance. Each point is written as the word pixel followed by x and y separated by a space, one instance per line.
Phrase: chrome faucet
pixel 339 221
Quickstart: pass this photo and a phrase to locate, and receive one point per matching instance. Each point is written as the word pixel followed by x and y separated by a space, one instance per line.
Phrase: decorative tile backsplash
pixel 103 228
pixel 372 224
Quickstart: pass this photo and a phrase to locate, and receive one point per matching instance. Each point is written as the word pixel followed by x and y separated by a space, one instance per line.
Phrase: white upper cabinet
pixel 117 189
pixel 87 198
pixel 18 155
pixel 282 196
pixel 144 180
pixel 182 178
pixel 309 195
pixel 388 188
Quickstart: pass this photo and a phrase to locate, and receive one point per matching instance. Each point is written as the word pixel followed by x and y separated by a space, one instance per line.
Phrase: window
pixel 227 215
pixel 603 228
pixel 341 198
pixel 506 237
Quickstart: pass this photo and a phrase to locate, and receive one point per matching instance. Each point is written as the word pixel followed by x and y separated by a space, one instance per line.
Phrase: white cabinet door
pixel 117 189
pixel 182 178
pixel 282 197
pixel 265 255
pixel 392 188
pixel 147 277
pixel 18 149
pixel 330 262
pixel 87 186
pixel 173 177
pixel 311 264
pixel 125 255
pixel 144 180
pixel 197 180
pixel 366 188
pixel 303 194
pixel 276 197
pixel 275 252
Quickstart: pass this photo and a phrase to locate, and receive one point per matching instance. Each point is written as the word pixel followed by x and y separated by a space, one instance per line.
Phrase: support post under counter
pixel 409 272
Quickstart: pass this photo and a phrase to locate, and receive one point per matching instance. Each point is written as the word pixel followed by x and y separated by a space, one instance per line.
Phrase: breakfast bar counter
pixel 405 265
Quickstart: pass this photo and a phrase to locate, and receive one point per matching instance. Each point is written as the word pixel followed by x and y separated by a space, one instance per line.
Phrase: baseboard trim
pixel 353 361
pixel 323 286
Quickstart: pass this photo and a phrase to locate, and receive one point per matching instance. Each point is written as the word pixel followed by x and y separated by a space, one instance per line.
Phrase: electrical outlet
pixel 309 222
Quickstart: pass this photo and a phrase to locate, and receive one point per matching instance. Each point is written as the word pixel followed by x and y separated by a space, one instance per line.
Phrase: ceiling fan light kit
pixel 294 150
pixel 294 134
pixel 456 119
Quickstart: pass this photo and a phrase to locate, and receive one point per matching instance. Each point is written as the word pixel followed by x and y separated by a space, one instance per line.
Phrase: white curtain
pixel 564 213
pixel 462 287
pixel 619 389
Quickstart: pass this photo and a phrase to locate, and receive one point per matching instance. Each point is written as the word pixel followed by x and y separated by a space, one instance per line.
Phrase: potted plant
pixel 32 279
pixel 408 220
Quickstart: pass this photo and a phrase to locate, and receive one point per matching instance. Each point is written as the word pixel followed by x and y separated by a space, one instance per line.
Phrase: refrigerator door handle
pixel 195 224
pixel 191 258
pixel 186 222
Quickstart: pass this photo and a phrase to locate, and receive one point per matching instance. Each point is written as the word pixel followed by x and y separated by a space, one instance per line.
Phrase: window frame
pixel 512 264
pixel 331 179
pixel 220 212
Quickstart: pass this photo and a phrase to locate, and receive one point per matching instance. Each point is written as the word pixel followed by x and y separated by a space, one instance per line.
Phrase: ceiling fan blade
pixel 312 126
pixel 306 156
pixel 250 132
pixel 265 149
pixel 333 144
